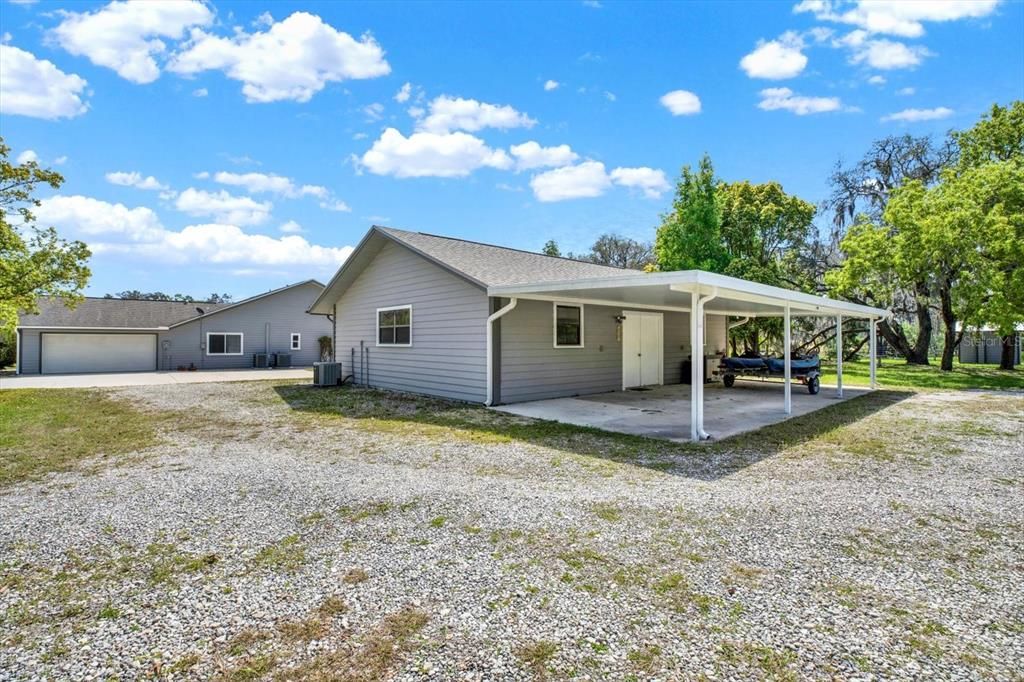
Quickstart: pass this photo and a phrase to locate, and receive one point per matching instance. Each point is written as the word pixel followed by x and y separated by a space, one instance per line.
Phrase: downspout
pixel 704 435
pixel 496 315
pixel 739 323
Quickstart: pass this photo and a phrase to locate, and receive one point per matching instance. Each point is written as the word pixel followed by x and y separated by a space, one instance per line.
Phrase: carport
pixel 699 294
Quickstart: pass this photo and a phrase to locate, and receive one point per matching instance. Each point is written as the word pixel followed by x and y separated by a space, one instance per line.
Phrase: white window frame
pixel 554 323
pixel 295 341
pixel 376 325
pixel 241 342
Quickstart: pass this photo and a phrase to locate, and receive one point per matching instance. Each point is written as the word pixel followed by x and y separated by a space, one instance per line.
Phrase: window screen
pixel 394 327
pixel 568 325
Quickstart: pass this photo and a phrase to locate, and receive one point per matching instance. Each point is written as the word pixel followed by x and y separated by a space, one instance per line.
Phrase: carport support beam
pixel 873 352
pixel 787 362
pixel 696 380
pixel 839 356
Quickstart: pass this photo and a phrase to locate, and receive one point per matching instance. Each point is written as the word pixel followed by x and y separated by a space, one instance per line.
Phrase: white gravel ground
pixel 835 559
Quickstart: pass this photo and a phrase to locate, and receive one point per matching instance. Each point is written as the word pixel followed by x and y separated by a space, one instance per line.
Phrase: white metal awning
pixel 673 290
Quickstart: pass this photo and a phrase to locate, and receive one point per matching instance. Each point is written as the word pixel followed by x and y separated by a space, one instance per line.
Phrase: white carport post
pixel 873 352
pixel 839 356
pixel 787 362
pixel 696 368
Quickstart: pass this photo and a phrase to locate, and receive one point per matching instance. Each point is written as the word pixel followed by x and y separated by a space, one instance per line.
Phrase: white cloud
pixel 531 155
pixel 584 180
pixel 404 93
pixel 897 17
pixel 877 80
pixel 912 115
pixel 200 92
pixel 259 183
pixel 27 156
pixel 884 54
pixel 550 85
pixel 374 111
pixel 292 60
pixel 904 92
pixel 360 136
pixel 134 179
pixel 650 181
pixel 422 154
pixel 125 36
pixel 60 160
pixel 335 205
pixel 610 96
pixel 784 98
pixel 447 114
pixel 224 207
pixel 776 59
pixel 139 233
pixel 37 88
pixel 85 216
pixel 290 227
pixel 681 102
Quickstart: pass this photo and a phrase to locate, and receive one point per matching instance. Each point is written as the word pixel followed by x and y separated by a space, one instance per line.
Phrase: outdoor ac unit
pixel 282 359
pixel 326 373
pixel 259 359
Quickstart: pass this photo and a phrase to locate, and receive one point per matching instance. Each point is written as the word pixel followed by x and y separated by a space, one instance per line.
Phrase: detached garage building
pixel 115 335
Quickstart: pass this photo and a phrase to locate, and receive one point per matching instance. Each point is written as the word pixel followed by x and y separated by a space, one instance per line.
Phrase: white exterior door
pixel 643 348
pixel 79 353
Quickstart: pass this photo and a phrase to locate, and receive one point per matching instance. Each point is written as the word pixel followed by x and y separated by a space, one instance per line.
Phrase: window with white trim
pixel 394 326
pixel 296 341
pixel 224 343
pixel 568 325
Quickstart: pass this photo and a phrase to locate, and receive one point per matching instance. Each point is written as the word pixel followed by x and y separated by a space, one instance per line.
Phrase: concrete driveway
pixel 150 378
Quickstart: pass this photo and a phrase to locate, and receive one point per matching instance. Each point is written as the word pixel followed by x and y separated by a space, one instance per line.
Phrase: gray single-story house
pixel 488 324
pixel 985 346
pixel 116 335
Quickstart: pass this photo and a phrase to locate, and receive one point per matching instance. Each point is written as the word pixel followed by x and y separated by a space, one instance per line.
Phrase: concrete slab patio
pixel 150 378
pixel 664 411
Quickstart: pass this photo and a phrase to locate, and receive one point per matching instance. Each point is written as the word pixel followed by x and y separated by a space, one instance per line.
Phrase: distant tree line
pixel 136 295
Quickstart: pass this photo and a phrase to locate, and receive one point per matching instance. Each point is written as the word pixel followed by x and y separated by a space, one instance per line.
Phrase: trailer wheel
pixel 729 380
pixel 813 385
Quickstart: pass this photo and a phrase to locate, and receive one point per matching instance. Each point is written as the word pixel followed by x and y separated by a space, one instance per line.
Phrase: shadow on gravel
pixel 381 411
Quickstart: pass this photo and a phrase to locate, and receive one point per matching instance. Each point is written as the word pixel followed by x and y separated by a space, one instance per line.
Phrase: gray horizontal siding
pixel 449 316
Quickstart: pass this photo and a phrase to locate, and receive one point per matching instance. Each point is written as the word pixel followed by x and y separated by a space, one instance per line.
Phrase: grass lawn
pixel 44 430
pixel 898 374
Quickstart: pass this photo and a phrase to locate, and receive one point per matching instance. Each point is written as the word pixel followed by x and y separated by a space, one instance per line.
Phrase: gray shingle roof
pixel 114 312
pixel 498 265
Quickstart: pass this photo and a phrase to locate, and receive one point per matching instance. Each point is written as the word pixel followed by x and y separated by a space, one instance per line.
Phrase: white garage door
pixel 73 353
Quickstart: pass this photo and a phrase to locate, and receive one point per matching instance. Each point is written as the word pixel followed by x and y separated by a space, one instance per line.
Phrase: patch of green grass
pixel 305 630
pixel 287 554
pixel 536 655
pixel 245 640
pixel 53 430
pixel 645 659
pixel 109 612
pixel 607 512
pixel 773 664
pixel 895 373
pixel 438 522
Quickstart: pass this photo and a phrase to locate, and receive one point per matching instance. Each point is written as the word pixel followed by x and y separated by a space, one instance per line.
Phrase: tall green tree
pixel 991 155
pixel 551 248
pixel 619 252
pixel 690 235
pixel 34 260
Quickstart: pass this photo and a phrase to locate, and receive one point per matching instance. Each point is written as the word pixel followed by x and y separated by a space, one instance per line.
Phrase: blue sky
pixel 235 147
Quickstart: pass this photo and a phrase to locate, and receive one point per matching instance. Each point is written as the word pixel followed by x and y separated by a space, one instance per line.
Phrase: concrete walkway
pixel 664 411
pixel 150 378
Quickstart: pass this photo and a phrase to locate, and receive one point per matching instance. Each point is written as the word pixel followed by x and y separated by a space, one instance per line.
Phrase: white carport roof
pixel 673 290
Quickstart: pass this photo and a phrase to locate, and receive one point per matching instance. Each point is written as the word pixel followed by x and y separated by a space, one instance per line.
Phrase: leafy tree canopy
pixel 690 236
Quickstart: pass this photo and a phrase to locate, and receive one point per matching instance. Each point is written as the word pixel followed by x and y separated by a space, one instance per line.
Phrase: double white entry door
pixel 643 348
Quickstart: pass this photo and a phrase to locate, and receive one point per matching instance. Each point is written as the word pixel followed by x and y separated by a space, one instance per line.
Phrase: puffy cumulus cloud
pixel 115 228
pixel 550 85
pixel 335 205
pixel 584 180
pixel 35 87
pixel 259 183
pixel 877 80
pixel 424 154
pixel 85 217
pixel 135 179
pixel 446 114
pixel 912 115
pixel 531 155
pixel 292 60
pixel 290 227
pixel 223 207
pixel 897 17
pixel 404 93
pixel 681 102
pixel 776 59
pixel 783 98
pixel 27 156
pixel 125 36
pixel 881 54
pixel 651 181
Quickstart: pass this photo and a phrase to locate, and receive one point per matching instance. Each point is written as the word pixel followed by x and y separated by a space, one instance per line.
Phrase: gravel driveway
pixel 262 541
